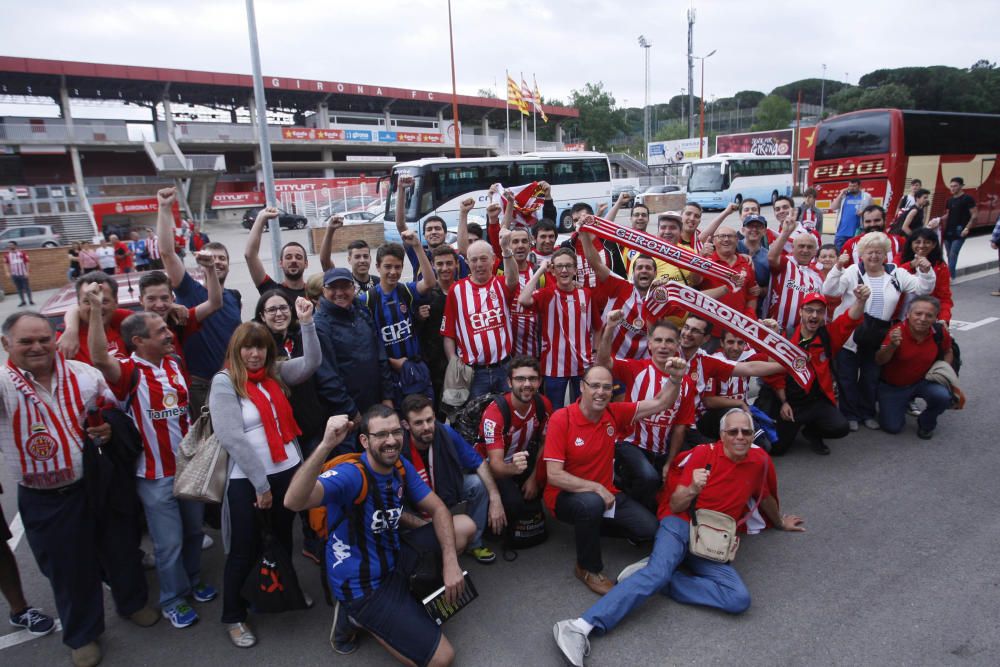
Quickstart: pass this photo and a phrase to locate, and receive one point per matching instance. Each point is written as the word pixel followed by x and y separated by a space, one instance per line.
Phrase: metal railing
pixel 59 131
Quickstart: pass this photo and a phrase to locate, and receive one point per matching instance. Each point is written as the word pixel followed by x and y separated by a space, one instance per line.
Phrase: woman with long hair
pixel 924 243
pixel 74 261
pixel 273 312
pixel 253 420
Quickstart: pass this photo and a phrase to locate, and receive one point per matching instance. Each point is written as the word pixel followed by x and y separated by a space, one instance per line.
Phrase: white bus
pixel 716 181
pixel 441 183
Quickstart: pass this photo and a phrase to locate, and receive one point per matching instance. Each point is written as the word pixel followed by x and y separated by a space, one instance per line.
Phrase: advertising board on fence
pixel 677 151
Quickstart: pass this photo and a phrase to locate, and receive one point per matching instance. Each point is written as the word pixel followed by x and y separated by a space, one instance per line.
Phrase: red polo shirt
pixel 839 330
pixel 585 448
pixel 913 358
pixel 732 485
pixel 736 300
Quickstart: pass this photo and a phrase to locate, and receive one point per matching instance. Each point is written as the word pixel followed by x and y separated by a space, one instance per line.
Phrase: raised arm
pixel 403 184
pixel 706 234
pixel 333 223
pixel 510 271
pixel 527 296
pixel 857 309
pixel 305 490
pixel 69 341
pixel 212 286
pixel 887 352
pixel 604 357
pixel 777 248
pixel 677 368
pixel 298 370
pixel 835 283
pixel 623 198
pixel 428 279
pixel 463 224
pixel 252 251
pixel 601 270
pixel 172 264
pixel 97 340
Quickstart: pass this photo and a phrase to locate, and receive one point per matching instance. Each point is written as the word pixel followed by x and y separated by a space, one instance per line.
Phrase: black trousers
pixel 586 512
pixel 72 547
pixel 244 537
pixel 816 417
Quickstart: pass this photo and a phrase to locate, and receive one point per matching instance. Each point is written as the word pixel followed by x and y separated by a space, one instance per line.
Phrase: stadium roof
pixel 132 83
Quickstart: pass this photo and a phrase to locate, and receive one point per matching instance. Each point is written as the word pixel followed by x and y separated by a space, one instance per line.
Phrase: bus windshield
pixel 853 136
pixel 706 177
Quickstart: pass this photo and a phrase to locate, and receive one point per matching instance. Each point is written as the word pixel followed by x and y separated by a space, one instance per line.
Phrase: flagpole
pixel 534 110
pixel 523 128
pixel 507 85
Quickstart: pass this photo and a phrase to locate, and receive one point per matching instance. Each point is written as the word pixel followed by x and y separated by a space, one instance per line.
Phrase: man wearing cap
pixel 668 228
pixel 354 374
pixel 813 408
pixel 754 245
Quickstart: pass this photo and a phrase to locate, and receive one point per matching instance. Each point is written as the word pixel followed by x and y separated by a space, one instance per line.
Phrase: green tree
pixel 812 90
pixel 773 113
pixel 598 122
pixel 671 131
pixel 748 99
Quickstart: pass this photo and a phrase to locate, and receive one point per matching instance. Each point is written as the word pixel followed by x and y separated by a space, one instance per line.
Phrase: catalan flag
pixel 537 100
pixel 514 97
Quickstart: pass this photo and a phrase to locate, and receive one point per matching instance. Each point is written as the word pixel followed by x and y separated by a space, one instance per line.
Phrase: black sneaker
pixel 343 635
pixel 34 621
pixel 924 434
pixel 818 445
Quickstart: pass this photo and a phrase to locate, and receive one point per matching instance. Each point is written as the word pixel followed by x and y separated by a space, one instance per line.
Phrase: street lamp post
pixel 822 92
pixel 701 116
pixel 646 45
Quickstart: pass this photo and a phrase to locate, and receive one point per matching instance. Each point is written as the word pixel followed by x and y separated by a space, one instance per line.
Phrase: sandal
pixel 240 635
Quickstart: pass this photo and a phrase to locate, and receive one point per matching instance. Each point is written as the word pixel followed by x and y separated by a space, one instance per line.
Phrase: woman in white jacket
pixel 856 370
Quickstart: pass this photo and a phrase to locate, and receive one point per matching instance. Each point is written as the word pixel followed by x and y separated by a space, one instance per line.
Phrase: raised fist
pixel 404 182
pixel 467 205
pixel 166 197
pixel 335 221
pixel 304 310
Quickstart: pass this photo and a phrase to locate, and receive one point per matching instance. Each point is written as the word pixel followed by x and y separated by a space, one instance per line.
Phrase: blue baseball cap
pixel 753 218
pixel 334 275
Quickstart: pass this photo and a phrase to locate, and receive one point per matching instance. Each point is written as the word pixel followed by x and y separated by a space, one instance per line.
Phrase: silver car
pixel 30 236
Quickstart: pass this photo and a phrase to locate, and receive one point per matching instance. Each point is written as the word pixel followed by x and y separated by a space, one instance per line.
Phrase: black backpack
pixel 956 353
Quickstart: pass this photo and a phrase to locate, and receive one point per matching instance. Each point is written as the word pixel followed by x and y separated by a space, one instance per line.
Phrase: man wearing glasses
pixel 579 460
pixel 726 477
pixel 744 299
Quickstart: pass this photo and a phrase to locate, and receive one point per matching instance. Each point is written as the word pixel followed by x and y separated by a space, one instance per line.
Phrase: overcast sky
pixel 565 44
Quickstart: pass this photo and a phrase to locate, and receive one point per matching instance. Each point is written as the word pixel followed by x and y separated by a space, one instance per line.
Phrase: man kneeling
pixel 368 567
pixel 723 476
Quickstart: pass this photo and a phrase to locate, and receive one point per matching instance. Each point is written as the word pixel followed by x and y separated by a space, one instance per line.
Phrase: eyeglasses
pixel 525 378
pixel 724 237
pixel 599 386
pixel 382 436
pixel 738 431
pixel 690 329
pixel 564 267
pixel 273 310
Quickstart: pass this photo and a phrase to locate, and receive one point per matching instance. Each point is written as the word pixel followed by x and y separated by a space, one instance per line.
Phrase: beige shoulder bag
pixel 202 463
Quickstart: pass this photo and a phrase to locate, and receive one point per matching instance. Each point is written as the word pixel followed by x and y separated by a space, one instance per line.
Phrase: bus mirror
pixel 722 167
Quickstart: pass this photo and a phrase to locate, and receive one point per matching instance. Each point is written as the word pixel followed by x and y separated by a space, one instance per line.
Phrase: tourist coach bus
pixel 440 184
pixel 714 182
pixel 887 148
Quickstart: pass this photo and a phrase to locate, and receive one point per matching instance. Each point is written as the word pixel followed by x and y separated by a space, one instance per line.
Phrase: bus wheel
pixel 566 223
pixel 774 197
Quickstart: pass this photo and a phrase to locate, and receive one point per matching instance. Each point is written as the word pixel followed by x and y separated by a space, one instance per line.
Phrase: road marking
pixel 22 636
pixel 16 532
pixel 958 325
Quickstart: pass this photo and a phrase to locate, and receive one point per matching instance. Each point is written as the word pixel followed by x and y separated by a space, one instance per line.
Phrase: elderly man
pixel 725 477
pixel 792 277
pixel 907 353
pixel 43 413
pixel 579 459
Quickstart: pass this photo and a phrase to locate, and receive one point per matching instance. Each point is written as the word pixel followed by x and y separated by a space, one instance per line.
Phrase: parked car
pixel 655 190
pixel 630 189
pixel 30 236
pixel 285 219
pixel 355 217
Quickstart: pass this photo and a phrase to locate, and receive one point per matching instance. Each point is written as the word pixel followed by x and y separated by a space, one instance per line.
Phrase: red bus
pixel 887 148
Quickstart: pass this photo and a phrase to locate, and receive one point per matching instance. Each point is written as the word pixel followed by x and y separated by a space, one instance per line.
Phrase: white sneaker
pixel 852 424
pixel 206 541
pixel 148 560
pixel 872 424
pixel 573 644
pixel 632 569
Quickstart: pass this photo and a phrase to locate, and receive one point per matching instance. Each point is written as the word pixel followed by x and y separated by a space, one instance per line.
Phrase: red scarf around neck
pixel 280 430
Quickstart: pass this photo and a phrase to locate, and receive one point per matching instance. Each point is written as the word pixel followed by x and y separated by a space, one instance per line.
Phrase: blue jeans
pixel 953 247
pixel 489 380
pixel 474 493
pixel 857 376
pixel 892 403
pixel 175 526
pixel 555 390
pixel 23 287
pixel 710 584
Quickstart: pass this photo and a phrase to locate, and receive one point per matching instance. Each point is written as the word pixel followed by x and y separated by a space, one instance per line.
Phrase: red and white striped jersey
pixel 153 247
pixel 643 381
pixel 630 336
pixel 17 262
pixel 159 408
pixel 523 321
pixel 706 370
pixel 734 387
pixel 789 284
pixel 523 427
pixel 42 428
pixel 895 255
pixel 585 275
pixel 477 317
pixel 564 319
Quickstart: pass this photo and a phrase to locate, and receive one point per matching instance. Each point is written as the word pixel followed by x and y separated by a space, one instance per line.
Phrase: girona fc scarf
pixel 527 200
pixel 44 435
pixel 660 249
pixel 674 298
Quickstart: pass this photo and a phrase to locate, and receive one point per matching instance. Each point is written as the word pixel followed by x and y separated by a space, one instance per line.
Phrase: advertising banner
pixel 677 151
pixel 770 142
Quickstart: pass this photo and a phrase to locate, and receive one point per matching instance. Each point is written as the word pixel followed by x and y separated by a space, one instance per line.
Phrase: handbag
pixel 202 463
pixel 713 535
pixel 272 586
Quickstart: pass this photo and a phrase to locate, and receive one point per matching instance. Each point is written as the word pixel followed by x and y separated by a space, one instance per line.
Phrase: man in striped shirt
pixel 564 317
pixel 524 321
pixel 657 437
pixel 150 386
pixel 476 323
pixel 16 266
pixel 791 276
pixel 391 304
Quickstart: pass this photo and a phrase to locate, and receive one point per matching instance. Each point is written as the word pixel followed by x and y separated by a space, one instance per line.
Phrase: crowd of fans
pixel 511 378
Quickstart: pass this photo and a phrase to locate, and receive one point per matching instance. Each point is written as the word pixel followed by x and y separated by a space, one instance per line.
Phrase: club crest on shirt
pixel 399 492
pixel 402 309
pixel 660 295
pixel 169 399
pixel 611 431
pixel 578 442
pixel 41 446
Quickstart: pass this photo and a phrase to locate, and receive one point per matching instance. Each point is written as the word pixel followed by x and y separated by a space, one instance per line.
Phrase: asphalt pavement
pixel 898 566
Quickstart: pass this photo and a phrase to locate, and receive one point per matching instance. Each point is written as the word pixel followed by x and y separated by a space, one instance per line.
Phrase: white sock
pixel 582 626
